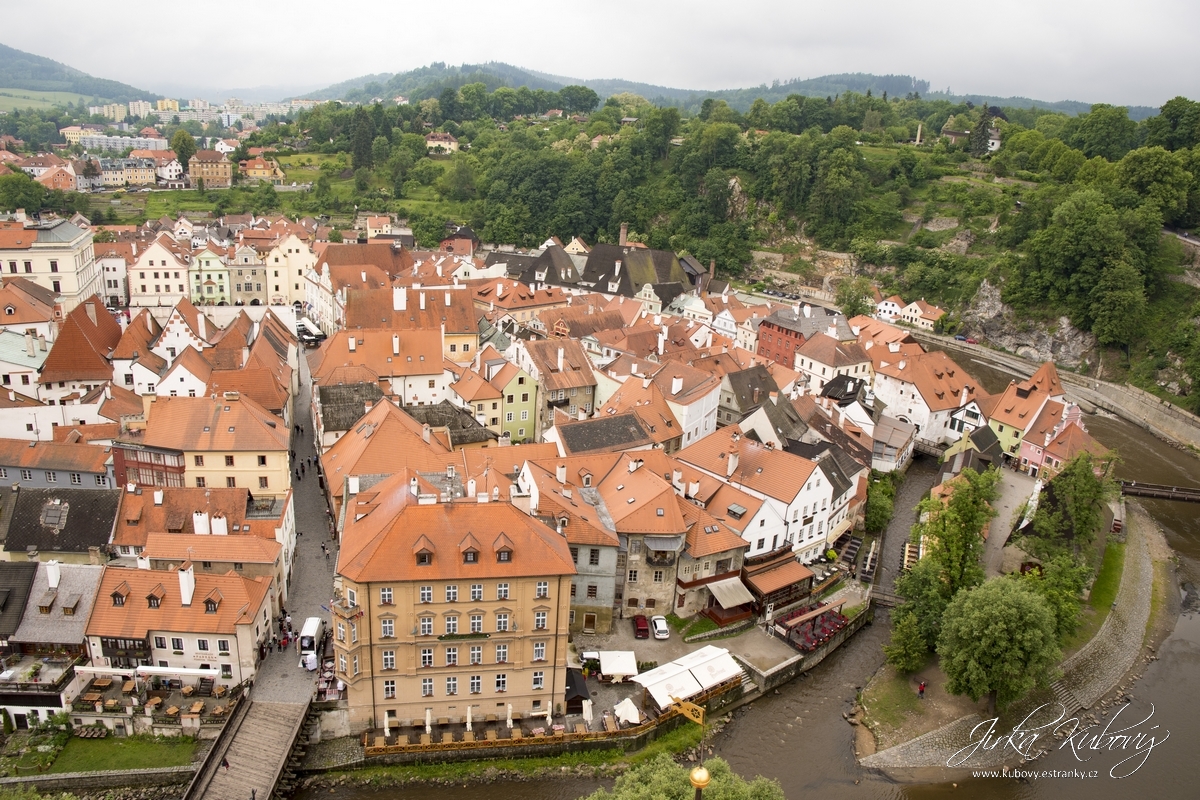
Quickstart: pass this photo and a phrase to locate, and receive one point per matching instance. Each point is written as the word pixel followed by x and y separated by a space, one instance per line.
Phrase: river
pixel 799 737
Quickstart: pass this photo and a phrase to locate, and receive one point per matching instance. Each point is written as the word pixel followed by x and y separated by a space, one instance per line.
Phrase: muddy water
pixel 800 738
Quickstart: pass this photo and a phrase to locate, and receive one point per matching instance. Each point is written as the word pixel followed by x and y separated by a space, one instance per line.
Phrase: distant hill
pixel 429 81
pixel 21 70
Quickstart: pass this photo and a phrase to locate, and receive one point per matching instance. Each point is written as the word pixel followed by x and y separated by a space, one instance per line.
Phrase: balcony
pixel 38 674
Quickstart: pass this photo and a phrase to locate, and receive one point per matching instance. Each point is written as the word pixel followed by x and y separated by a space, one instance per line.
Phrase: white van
pixel 311 636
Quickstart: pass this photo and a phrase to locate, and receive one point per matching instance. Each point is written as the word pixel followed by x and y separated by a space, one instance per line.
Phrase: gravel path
pixel 1087 676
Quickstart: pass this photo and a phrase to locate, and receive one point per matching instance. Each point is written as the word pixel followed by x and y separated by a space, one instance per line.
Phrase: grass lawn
pixel 134 752
pixel 889 700
pixel 31 98
pixel 1104 591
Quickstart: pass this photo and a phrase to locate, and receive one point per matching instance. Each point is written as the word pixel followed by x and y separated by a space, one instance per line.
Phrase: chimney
pixel 53 574
pixel 363 275
pixel 422 301
pixel 962 401
pixel 560 359
pixel 662 341
pixel 676 384
pixel 499 289
pixel 807 310
pixel 732 465
pixel 617 268
pixel 412 487
pixel 350 342
pixel 471 487
pixel 399 298
pixel 220 525
pixel 200 324
pixel 158 497
pixel 187 583
pixel 90 309
pixel 447 299
pixel 200 522
pixel 42 342
pixel 368 404
pixel 395 344
pixel 425 432
pixel 677 479
pixel 658 319
pixel 29 343
pixel 712 267
pixel 352 484
pixel 560 473
pixel 624 235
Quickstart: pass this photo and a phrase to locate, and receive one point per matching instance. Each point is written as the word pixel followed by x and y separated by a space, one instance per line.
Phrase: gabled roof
pixel 706 535
pixel 1073 440
pixel 61 520
pixel 375 308
pixel 827 350
pixel 53 456
pixel 605 434
pixel 191 362
pixel 77 584
pixel 182 547
pixel 142 513
pixel 771 472
pixel 241 599
pixel 942 383
pixel 645 400
pixel 342 405
pixel 16 578
pixel 30 303
pixel 576 366
pixel 207 424
pixel 751 387
pixel 386 352
pixel 84 346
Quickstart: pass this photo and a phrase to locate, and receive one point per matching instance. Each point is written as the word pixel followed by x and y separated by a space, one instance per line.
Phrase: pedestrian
pixel 297 474
pixel 225 763
pixel 323 549
pixel 921 690
pixel 326 555
pixel 289 620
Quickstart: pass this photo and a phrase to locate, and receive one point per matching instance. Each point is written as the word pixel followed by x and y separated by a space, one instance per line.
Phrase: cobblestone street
pixel 280 678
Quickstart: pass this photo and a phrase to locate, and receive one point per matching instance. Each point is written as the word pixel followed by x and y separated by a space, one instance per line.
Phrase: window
pixel 594 557
pixel 229 461
pixel 451 625
pixel 51 476
pixel 539 620
pixel 426 656
pixel 76 479
pixel 201 483
pixel 385 596
pixel 202 644
pixel 508 417
pixel 501 591
pixel 658 576
pixel 502 622
pixel 231 483
pixel 387 628
pixel 431 383
pixel 476 684
pixel 177 644
pixel 426 594
pixel 470 557
pixel 26 474
pixel 592 591
pixel 501 682
pixel 354 661
pixel 160 642
pixel 427 626
pixel 543 589
pixel 389 689
pixel 632 578
pixel 342 663
pixel 353 632
pixel 504 556
pixel 524 397
pixel 539 679
pixel 476 654
pixel 222 645
pixel 476 591
pixel 451 594
pixel 574 554
pixel 477 623
pixel 389 659
pixel 572 590
pixel 451 656
pixel 426 687
pixel 262 481
pixel 451 685
pixel 424 558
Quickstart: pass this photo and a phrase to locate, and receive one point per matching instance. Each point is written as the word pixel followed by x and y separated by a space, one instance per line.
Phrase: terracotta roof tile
pixel 84 346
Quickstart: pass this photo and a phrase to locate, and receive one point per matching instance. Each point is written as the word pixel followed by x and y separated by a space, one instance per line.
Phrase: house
pixel 113 260
pixel 21 358
pixel 563 373
pixel 401 310
pixel 822 357
pixel 408 367
pixel 337 408
pixel 186 326
pixel 39 678
pixel 248 556
pixel 922 315
pixel 468 605
pixel 1068 439
pixel 59 179
pixel 379 226
pixel 16 578
pixel 890 308
pixel 1022 403
pixel 37 165
pixel 924 389
pixel 188 620
pixel 210 278
pixel 228 440
pixel 226 146
pixel 73 525
pixel 80 360
pixel 441 142
pixel 782 332
pixel 48 465
pixel 456 425
pixel 262 170
pixel 708 578
pixel 55 254
pixel 211 167
pixel 28 306
pixel 742 391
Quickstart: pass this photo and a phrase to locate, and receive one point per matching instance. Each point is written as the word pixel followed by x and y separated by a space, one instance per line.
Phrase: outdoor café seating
pixel 197 707
pixel 173 711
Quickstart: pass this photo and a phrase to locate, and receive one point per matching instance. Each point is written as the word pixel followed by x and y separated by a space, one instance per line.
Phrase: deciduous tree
pixel 661 778
pixel 184 146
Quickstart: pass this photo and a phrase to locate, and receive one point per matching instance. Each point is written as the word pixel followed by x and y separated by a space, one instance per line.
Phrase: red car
pixel 972 341
pixel 641 627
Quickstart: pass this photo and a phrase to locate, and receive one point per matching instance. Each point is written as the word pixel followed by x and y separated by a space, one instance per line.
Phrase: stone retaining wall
pixel 108 779
pixel 803 662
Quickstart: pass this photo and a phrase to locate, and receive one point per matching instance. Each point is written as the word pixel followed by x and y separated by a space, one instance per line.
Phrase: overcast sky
pixel 1135 53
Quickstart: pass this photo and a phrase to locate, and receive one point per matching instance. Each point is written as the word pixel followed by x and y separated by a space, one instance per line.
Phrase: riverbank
pixel 1095 678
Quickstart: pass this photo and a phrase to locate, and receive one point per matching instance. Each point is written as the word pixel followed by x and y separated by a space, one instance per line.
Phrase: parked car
pixel 660 627
pixel 960 338
pixel 972 341
pixel 641 627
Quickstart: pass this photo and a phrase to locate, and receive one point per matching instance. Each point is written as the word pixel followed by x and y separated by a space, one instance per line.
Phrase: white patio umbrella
pixel 428 721
pixel 468 718
pixel 386 730
pixel 587 711
pixel 548 710
pixel 509 716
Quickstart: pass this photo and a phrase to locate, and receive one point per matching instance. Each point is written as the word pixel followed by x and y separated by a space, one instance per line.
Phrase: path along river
pixel 799 737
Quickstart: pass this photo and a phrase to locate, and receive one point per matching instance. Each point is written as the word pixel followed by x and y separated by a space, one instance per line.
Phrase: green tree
pixel 362 135
pixel 979 135
pixel 578 99
pixel 1060 583
pixel 362 179
pixel 265 198
pixel 998 640
pixel 18 190
pixel 954 529
pixel 458 182
pixel 1118 305
pixel 104 236
pixel 1069 512
pixel 322 188
pixel 1159 176
pixel 880 495
pixel 380 149
pixel 925 598
pixel 335 236
pixel 854 297
pixel 908 650
pixel 1106 131
pixel 184 145
pixel 660 778
pixel 1177 125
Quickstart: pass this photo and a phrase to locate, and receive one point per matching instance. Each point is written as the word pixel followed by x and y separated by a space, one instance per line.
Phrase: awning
pixel 777 578
pixel 664 544
pixel 626 711
pixel 730 593
pixel 791 623
pixel 689 675
pixel 618 663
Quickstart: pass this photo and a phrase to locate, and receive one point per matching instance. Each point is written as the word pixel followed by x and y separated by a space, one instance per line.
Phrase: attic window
pixel 659 512
pixel 587 480
pixel 504 556
pixel 210 606
pixel 470 556
pixel 9 310
pixel 736 511
pixel 153 601
pixel 118 599
pixel 424 558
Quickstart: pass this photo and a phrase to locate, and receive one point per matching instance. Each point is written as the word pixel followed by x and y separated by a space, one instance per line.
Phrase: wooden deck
pixel 257 754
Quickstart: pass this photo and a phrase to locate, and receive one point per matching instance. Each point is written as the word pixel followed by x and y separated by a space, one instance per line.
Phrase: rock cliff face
pixel 988 319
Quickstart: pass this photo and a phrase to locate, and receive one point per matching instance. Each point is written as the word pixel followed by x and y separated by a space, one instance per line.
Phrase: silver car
pixel 660 628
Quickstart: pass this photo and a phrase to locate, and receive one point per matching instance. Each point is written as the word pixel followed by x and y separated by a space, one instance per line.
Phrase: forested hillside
pixel 20 70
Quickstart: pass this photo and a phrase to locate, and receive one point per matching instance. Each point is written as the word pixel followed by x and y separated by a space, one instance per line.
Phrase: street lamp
pixel 699 778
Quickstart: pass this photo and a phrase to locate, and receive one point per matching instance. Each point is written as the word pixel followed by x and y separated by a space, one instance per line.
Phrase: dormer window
pixel 424 558
pixel 153 601
pixel 504 556
pixel 470 557
pixel 118 599
pixel 210 606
